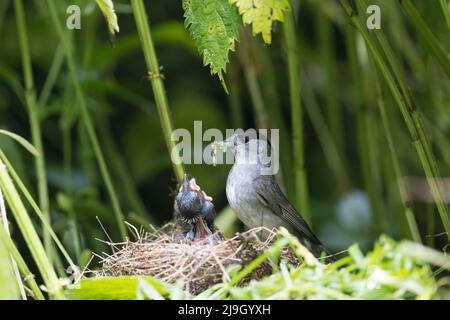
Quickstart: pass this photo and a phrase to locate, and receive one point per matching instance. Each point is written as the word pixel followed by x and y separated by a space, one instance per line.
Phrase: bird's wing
pixel 271 196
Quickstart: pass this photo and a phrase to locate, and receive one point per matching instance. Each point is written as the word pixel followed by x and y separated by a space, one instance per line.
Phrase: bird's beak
pixel 193 185
pixel 229 143
pixel 185 187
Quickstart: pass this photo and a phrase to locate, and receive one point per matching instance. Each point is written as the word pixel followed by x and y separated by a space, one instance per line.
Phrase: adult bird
pixel 255 196
pixel 194 211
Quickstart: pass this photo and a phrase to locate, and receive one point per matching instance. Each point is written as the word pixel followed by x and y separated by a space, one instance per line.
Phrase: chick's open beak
pixel 185 186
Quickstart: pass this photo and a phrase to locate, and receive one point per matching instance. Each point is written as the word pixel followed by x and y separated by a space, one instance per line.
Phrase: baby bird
pixel 207 210
pixel 194 210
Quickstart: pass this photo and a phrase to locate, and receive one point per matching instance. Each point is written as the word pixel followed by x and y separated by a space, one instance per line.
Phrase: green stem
pixel 86 117
pixel 122 173
pixel 5 228
pixel 50 81
pixel 234 97
pixel 446 11
pixel 159 92
pixel 430 39
pixel 409 214
pixel 409 113
pixel 35 207
pixel 23 268
pixel 271 97
pixel 325 139
pixel 328 63
pixel 248 58
pixel 67 154
pixel 30 235
pixel 301 184
pixel 370 171
pixel 30 98
pixel 431 225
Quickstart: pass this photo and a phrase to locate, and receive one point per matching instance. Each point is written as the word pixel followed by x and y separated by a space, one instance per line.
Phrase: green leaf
pixel 145 290
pixel 261 14
pixel 22 141
pixel 213 25
pixel 116 288
pixel 107 8
pixel 8 285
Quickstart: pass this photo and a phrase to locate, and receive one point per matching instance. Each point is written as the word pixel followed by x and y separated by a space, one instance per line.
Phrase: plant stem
pixel 409 214
pixel 30 99
pixel 328 64
pixel 86 117
pixel 324 135
pixel 410 115
pixel 122 173
pixel 5 227
pixel 30 235
pixel 159 92
pixel 35 207
pixel 276 117
pixel 431 225
pixel 301 184
pixel 446 11
pixel 52 76
pixel 67 155
pixel 366 142
pixel 430 39
pixel 247 55
pixel 234 97
pixel 26 273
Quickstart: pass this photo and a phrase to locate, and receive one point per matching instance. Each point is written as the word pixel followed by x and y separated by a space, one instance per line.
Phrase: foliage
pixel 261 14
pixel 107 8
pixel 22 141
pixel 213 25
pixel 8 288
pixel 120 288
pixel 389 271
pixel 85 107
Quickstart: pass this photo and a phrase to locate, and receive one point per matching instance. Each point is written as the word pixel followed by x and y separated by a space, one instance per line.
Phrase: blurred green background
pixel 347 160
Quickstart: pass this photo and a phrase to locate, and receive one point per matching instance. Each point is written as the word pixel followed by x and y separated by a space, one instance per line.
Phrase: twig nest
pixel 166 255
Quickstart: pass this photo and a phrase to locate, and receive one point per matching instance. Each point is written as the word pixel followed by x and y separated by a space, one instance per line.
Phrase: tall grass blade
pixel 35 207
pixel 30 235
pixel 409 113
pixel 86 116
pixel 33 114
pixel 30 148
pixel 156 81
pixel 301 184
pixel 430 39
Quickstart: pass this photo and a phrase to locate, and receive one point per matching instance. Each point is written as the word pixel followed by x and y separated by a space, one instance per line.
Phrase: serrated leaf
pixel 107 8
pixel 213 25
pixel 261 14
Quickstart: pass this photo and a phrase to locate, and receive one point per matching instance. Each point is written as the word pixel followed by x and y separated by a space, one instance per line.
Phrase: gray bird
pixel 257 199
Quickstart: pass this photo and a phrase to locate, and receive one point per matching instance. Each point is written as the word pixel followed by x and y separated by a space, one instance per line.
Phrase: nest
pixel 166 255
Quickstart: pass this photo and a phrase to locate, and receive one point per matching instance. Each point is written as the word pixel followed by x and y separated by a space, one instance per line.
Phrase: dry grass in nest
pixel 166 255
